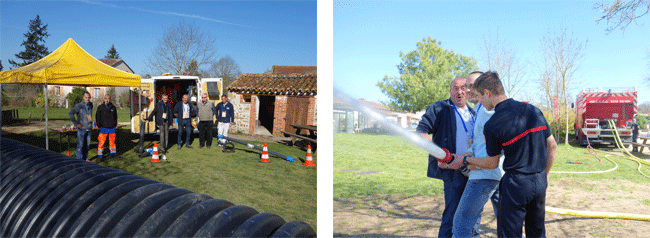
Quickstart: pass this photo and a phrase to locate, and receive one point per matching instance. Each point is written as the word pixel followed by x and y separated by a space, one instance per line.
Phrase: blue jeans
pixel 476 194
pixel 83 143
pixel 453 192
pixel 184 126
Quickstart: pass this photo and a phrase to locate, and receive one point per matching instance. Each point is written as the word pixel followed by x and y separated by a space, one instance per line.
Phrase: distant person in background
pixel 84 124
pixel 164 119
pixel 106 118
pixel 635 134
pixel 184 112
pixel 206 117
pixel 226 117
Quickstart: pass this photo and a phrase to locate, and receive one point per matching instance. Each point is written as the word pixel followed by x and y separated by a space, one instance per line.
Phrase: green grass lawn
pixel 367 164
pixel 57 113
pixel 280 187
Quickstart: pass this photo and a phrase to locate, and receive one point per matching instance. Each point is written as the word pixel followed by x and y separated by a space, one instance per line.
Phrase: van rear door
pixel 213 87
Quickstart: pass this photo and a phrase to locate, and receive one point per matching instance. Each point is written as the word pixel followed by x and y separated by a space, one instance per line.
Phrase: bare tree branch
pixel 500 57
pixel 180 44
pixel 622 12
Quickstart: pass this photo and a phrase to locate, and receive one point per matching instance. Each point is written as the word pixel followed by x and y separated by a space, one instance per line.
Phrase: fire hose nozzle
pixel 448 157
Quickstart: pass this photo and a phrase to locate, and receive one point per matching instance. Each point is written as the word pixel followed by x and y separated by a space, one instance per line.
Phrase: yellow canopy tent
pixel 68 65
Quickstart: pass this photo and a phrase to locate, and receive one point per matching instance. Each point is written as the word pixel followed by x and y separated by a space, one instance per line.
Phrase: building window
pixel 57 90
pixel 96 93
pixel 247 97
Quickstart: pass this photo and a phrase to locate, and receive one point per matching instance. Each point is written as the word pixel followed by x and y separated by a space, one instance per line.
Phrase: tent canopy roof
pixel 70 65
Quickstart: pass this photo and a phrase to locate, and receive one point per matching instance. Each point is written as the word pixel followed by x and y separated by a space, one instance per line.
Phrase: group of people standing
pixel 503 152
pixel 184 112
pixel 81 116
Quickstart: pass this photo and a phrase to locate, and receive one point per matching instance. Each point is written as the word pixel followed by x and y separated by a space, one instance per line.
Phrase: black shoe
pixel 189 146
pixel 200 146
pixel 180 146
pixel 208 147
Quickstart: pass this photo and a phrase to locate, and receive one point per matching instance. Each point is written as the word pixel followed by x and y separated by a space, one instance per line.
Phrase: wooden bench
pixel 295 136
pixel 640 145
pixel 643 144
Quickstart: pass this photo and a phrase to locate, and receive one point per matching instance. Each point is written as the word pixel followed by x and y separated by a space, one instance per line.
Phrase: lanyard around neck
pixel 463 120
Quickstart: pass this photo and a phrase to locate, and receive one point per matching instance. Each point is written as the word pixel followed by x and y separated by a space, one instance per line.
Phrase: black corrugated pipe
pixel 44 194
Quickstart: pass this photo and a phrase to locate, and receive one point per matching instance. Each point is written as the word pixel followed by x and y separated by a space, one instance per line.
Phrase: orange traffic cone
pixel 154 156
pixel 265 155
pixel 309 162
pixel 68 153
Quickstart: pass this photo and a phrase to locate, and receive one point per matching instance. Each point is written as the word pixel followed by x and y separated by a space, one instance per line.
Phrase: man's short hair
pixel 223 96
pixel 490 81
pixel 89 95
pixel 165 95
pixel 451 85
pixel 475 72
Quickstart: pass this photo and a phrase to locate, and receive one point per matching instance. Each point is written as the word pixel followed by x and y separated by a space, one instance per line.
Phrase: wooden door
pixel 297 108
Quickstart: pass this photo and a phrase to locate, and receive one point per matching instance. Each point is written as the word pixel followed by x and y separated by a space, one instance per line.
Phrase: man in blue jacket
pixel 225 116
pixel 449 124
pixel 184 112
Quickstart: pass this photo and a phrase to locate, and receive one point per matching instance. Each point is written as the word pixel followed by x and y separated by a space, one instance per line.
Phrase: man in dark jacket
pixel 164 119
pixel 184 112
pixel 84 124
pixel 226 117
pixel 106 118
pixel 448 124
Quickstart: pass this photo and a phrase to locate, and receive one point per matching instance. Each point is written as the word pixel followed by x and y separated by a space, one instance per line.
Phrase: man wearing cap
pixel 206 117
pixel 448 124
pixel 521 131
pixel 84 124
pixel 106 118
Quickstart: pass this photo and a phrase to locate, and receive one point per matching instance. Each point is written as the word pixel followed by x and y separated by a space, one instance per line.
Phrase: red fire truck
pixel 597 106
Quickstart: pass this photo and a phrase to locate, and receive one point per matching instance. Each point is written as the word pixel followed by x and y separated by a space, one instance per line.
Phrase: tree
pixel 193 70
pixel 561 58
pixel 499 57
pixel 425 76
pixel 227 69
pixel 33 50
pixel 1 65
pixel 644 108
pixel 622 12
pixel 181 43
pixel 75 96
pixel 112 53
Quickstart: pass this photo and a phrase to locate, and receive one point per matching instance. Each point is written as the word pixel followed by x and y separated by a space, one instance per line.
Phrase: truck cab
pixel 174 86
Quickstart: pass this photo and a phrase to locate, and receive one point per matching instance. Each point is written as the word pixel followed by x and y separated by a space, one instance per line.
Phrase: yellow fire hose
pixel 613 215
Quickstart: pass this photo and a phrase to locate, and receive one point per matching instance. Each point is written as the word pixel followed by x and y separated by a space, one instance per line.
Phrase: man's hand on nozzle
pixel 457 163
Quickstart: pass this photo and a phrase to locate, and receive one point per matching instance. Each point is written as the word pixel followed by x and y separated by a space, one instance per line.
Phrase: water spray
pixel 441 154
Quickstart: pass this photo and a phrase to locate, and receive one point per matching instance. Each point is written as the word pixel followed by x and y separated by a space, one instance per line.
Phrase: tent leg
pixel 0 120
pixel 47 138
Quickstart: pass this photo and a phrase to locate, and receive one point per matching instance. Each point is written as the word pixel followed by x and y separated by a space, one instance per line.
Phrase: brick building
pixel 273 102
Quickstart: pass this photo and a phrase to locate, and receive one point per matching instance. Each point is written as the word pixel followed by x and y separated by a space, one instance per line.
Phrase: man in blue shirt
pixel 635 134
pixel 225 116
pixel 482 183
pixel 521 131
pixel 448 124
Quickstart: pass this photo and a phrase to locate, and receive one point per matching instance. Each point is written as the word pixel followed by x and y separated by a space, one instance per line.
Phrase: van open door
pixel 213 87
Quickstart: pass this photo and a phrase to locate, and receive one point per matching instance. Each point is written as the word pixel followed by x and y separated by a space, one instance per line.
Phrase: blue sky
pixel 256 35
pixel 368 37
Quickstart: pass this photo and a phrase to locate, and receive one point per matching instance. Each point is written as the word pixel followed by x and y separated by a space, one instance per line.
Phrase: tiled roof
pixel 111 62
pixel 291 84
pixel 285 69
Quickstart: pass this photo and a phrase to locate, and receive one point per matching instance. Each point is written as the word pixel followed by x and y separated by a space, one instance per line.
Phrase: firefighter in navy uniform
pixel 521 132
